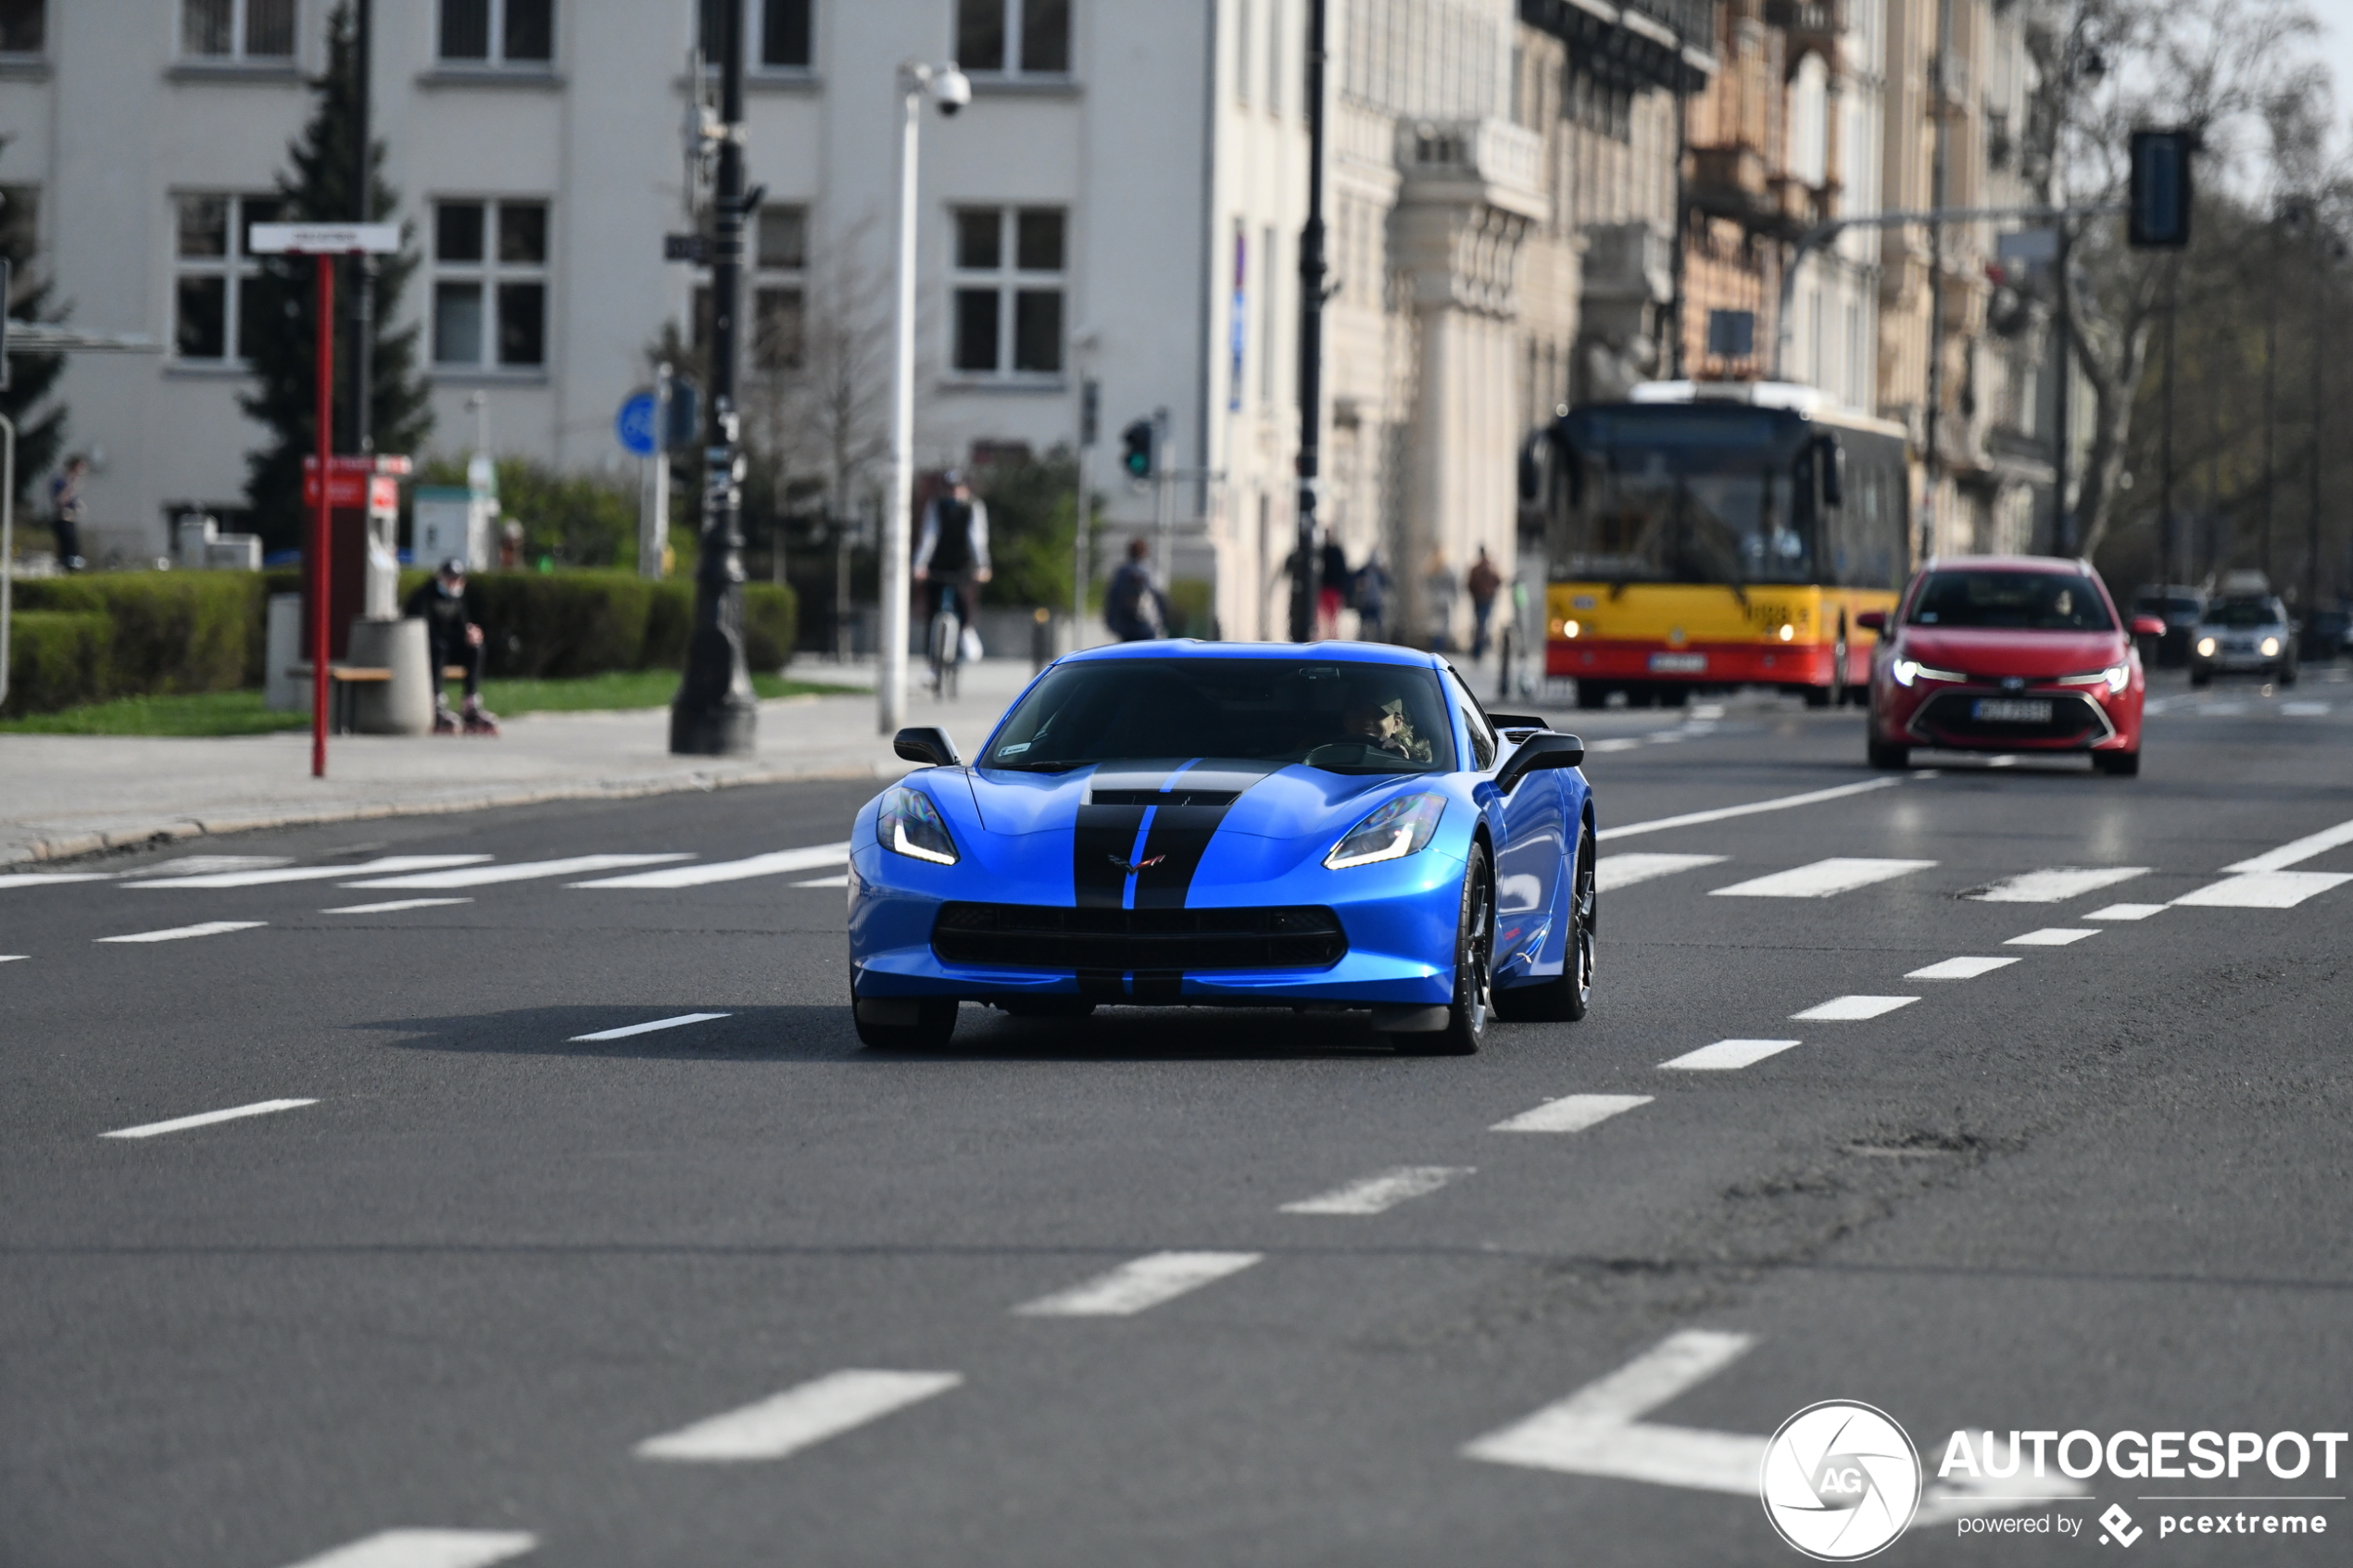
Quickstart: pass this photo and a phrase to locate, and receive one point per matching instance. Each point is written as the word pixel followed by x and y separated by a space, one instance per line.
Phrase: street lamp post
pixel 1311 340
pixel 949 88
pixel 713 714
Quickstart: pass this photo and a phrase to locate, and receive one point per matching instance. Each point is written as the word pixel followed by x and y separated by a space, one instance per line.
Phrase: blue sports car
pixel 1329 825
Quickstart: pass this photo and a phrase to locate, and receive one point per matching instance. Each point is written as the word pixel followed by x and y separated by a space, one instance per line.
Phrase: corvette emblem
pixel 1132 867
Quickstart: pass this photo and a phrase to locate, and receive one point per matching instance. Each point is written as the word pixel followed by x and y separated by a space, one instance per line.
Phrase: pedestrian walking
pixel 65 512
pixel 1440 588
pixel 1332 582
pixel 1134 608
pixel 1372 600
pixel 1483 581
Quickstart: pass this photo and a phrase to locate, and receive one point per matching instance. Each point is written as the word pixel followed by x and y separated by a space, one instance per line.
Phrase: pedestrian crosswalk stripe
pixel 521 870
pixel 785 1423
pixel 271 877
pixel 1853 1008
pixel 2127 912
pixel 1133 1287
pixel 772 864
pixel 627 1030
pixel 393 906
pixel 1627 868
pixel 1959 969
pixel 41 879
pixel 2051 936
pixel 1725 1056
pixel 841 881
pixel 426 1549
pixel 181 933
pixel 2054 885
pixel 1822 879
pixel 1571 1114
pixel 2264 890
pixel 1376 1195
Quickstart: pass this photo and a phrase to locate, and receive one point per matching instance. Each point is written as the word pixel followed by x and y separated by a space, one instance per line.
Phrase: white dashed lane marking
pixel 271 877
pixel 627 1030
pixel 2051 936
pixel 1725 813
pixel 1599 1430
pixel 1725 1056
pixel 1614 872
pixel 207 1118
pixel 1132 1287
pixel 2264 890
pixel 1374 1195
pixel 393 905
pixel 775 864
pixel 2127 912
pixel 1959 969
pixel 785 1423
pixel 841 881
pixel 426 1549
pixel 521 870
pixel 1571 1114
pixel 1822 879
pixel 2054 885
pixel 14 958
pixel 43 879
pixel 1851 1008
pixel 181 933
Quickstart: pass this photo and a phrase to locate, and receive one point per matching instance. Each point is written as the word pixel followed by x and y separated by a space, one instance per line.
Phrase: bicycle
pixel 947 646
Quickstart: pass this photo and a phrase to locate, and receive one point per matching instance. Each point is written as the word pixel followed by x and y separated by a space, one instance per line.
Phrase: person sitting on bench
pixel 451 637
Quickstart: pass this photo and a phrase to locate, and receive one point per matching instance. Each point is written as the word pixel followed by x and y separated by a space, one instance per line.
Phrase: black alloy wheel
pixel 1474 960
pixel 1569 997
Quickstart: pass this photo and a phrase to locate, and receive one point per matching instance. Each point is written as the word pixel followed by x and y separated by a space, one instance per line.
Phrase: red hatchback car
pixel 2008 653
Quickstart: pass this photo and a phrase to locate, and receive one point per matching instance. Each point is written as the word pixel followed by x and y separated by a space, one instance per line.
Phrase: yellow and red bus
pixel 1719 535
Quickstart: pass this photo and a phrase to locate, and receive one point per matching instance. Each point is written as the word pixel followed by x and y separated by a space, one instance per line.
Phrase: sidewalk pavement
pixel 72 794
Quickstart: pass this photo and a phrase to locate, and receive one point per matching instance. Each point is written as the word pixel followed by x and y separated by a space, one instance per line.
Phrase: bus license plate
pixel 1679 663
pixel 2009 711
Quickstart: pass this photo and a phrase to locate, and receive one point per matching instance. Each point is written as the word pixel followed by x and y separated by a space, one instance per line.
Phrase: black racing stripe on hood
pixel 1180 835
pixel 1106 834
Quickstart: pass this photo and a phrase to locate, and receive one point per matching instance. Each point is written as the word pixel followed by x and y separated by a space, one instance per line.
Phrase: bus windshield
pixel 1684 496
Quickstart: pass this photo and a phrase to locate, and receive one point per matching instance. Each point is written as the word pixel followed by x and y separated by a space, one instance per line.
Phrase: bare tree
pixel 2239 72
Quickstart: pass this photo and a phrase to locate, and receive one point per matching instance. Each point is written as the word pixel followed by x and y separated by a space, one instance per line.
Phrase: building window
pixel 490 284
pixel 237 30
pixel 1274 57
pixel 783 40
pixel 1014 37
pixel 1008 291
pixel 24 26
pixel 520 32
pixel 779 295
pixel 1271 322
pixel 214 303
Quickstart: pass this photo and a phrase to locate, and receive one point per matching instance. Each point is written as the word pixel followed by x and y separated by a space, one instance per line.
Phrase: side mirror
pixel 927 743
pixel 1537 752
pixel 1873 622
pixel 2147 626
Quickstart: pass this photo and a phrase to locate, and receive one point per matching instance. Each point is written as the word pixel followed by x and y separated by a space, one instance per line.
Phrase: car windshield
pixel 2243 613
pixel 2019 601
pixel 1342 717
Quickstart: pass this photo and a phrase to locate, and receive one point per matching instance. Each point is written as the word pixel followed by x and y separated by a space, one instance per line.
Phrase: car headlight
pixel 1399 828
pixel 908 824
pixel 1907 670
pixel 2270 647
pixel 2116 677
pixel 2205 648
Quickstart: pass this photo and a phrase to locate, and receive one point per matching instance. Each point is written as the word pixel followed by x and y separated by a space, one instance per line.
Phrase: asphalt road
pixel 2102 1188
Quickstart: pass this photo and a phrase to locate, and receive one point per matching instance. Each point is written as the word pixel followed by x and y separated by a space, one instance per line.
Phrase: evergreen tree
pixel 283 351
pixel 32 377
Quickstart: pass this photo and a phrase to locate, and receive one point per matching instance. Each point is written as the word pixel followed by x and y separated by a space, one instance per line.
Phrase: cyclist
pixel 951 553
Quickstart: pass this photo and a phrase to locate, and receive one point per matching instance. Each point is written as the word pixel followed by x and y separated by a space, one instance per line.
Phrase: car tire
pixel 2118 764
pixel 1569 997
pixel 2201 677
pixel 2287 674
pixel 1473 954
pixel 1883 755
pixel 934 1026
pixel 1591 694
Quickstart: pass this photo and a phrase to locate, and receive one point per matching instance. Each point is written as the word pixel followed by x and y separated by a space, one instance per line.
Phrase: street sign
pixel 324 239
pixel 686 247
pixel 634 424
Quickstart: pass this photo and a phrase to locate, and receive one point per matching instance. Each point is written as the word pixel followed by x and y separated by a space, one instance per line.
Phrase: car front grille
pixel 1129 941
pixel 1948 718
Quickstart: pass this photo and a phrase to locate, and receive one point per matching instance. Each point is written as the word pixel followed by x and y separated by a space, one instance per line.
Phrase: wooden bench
pixel 344 681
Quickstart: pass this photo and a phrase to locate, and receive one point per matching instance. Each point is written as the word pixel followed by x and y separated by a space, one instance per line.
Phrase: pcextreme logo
pixel 1840 1481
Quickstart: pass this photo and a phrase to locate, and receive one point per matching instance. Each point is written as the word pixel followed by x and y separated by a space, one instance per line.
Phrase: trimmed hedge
pixel 58 658
pixel 169 631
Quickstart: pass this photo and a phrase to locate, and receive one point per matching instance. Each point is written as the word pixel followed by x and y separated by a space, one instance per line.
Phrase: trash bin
pixel 402 705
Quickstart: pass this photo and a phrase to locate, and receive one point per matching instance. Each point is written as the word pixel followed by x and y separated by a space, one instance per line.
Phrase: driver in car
pixel 1377 718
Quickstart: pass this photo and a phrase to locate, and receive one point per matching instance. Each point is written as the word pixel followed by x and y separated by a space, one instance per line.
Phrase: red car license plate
pixel 2009 711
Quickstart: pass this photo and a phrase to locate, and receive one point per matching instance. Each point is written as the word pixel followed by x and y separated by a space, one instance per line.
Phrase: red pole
pixel 321 689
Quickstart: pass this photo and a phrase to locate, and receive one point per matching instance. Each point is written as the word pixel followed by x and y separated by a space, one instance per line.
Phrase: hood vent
pixel 1164 797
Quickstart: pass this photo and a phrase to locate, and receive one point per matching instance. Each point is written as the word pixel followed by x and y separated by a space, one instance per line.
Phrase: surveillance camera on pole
pixel 950 90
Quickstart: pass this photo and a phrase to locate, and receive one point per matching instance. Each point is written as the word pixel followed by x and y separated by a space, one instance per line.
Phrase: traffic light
pixel 1136 454
pixel 2160 206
